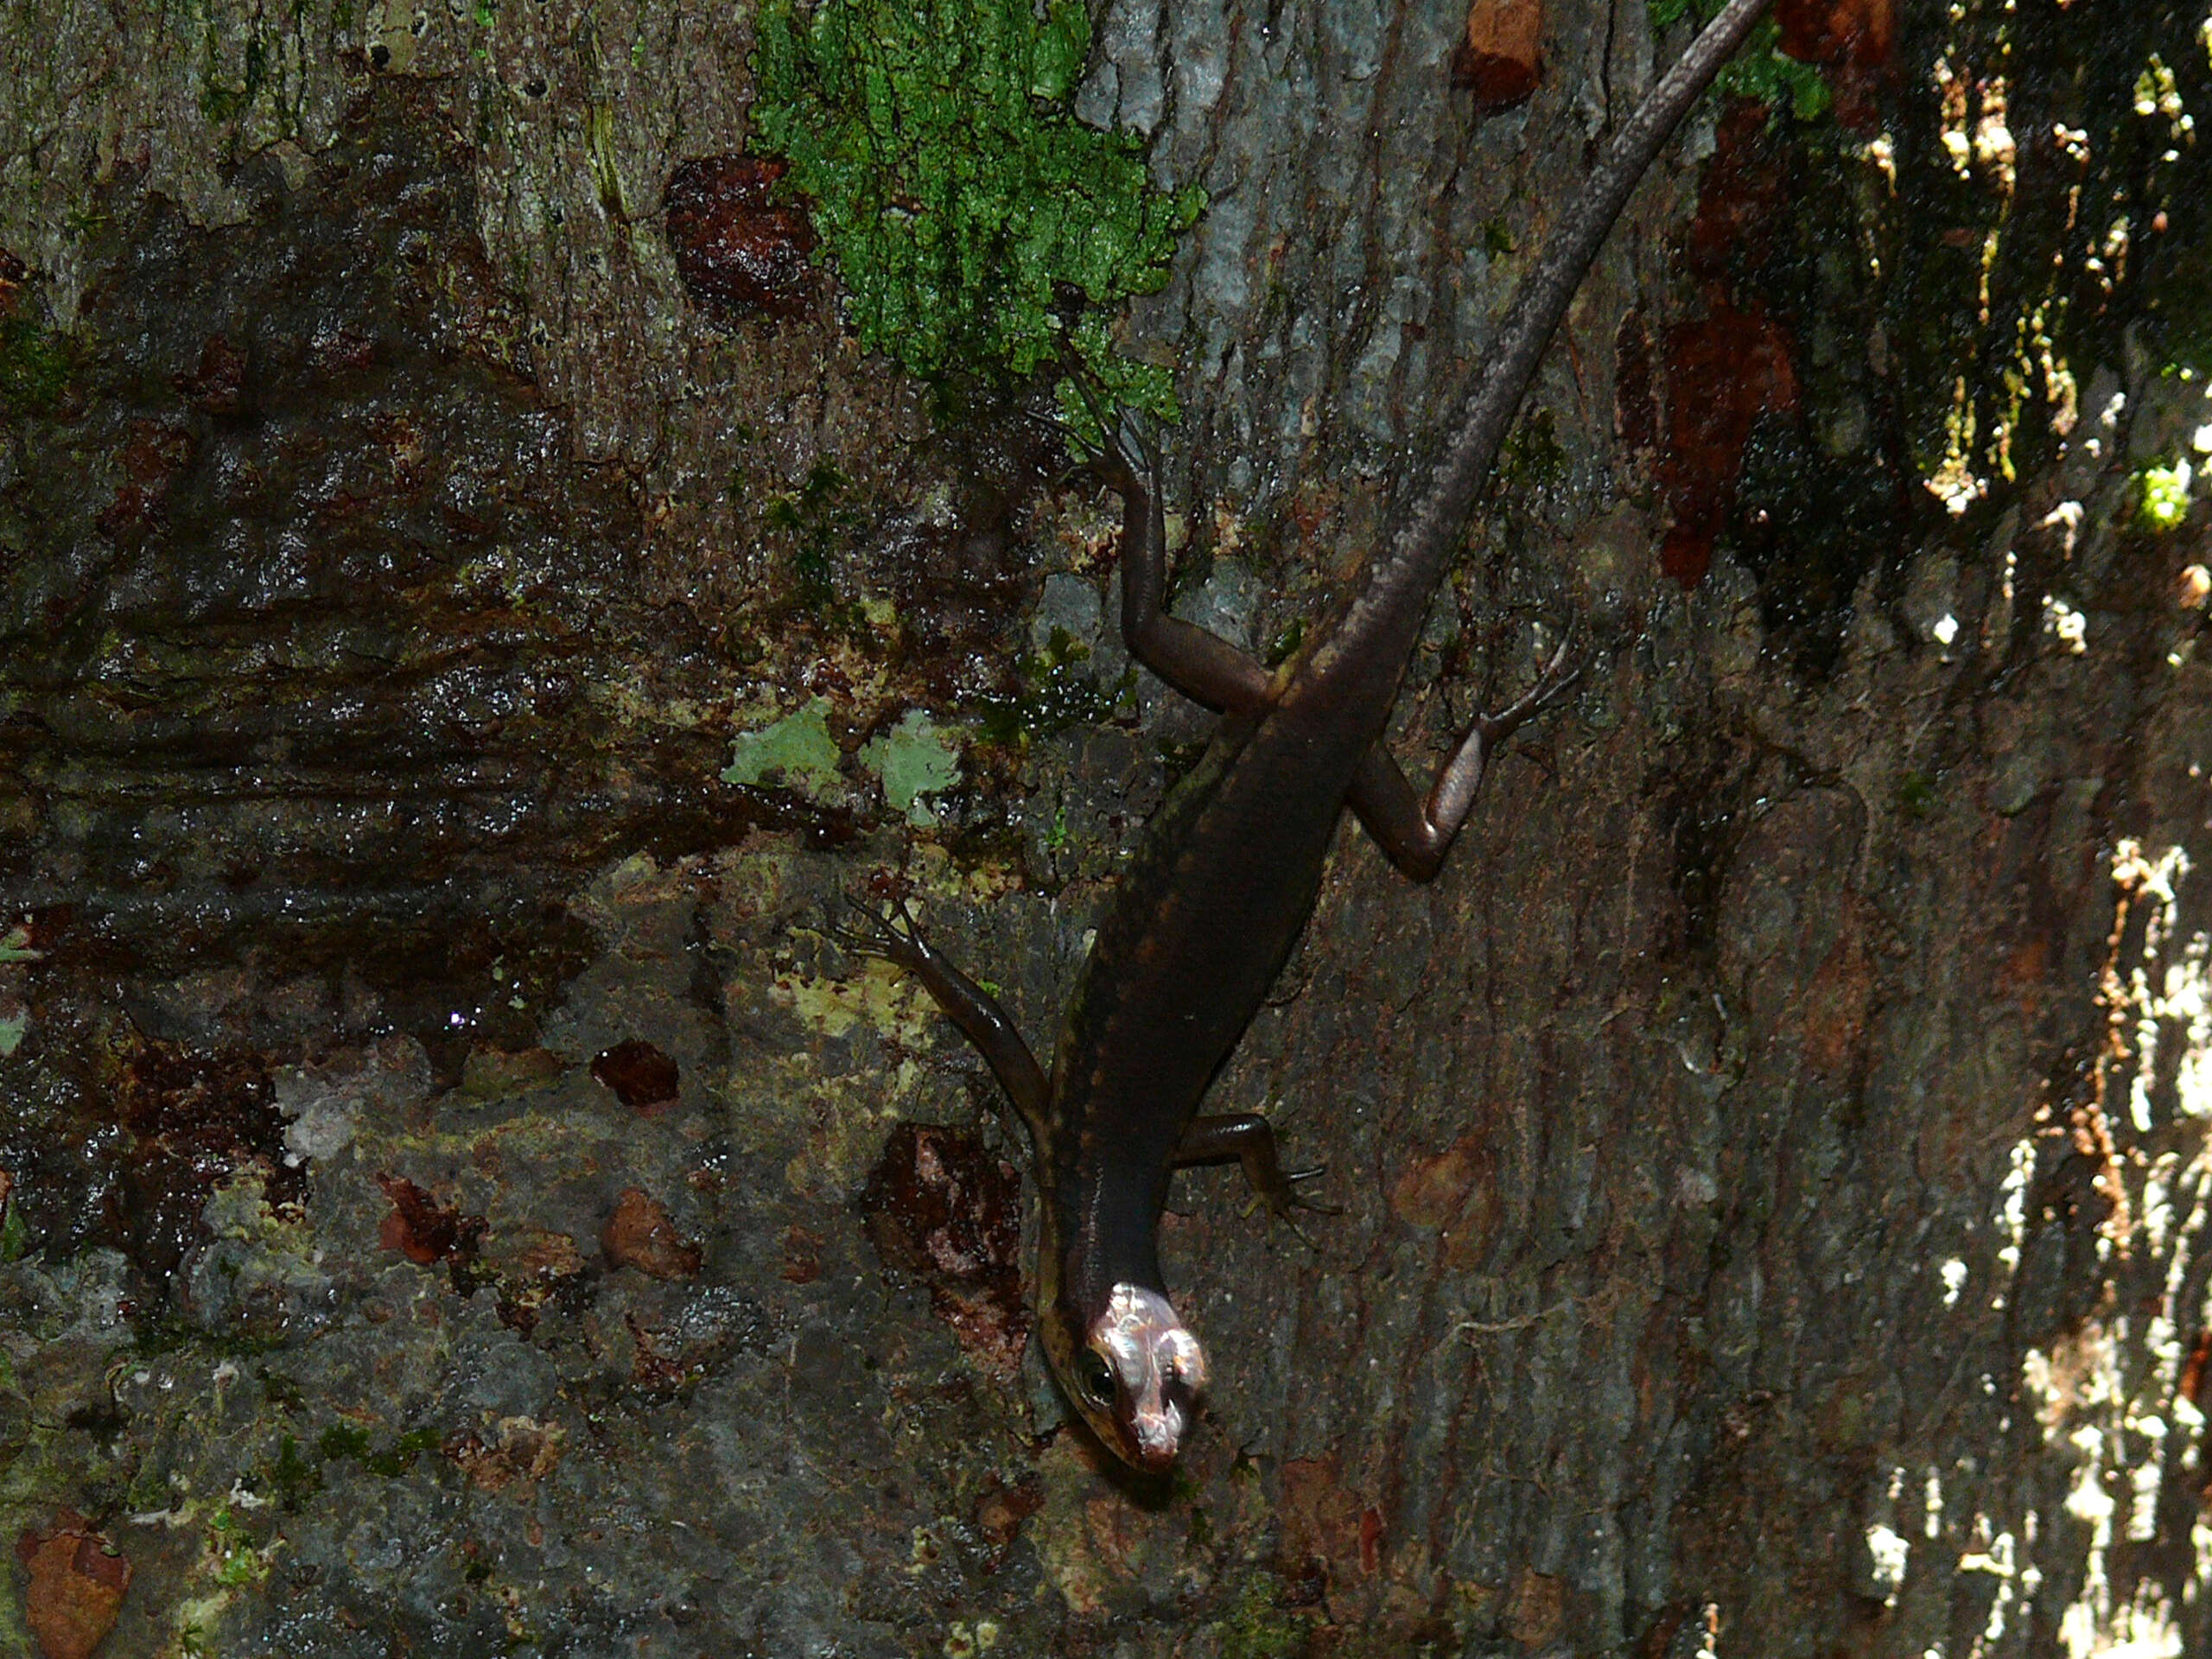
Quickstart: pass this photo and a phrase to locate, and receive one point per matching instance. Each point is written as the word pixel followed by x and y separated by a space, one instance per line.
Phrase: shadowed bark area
pixel 456 1193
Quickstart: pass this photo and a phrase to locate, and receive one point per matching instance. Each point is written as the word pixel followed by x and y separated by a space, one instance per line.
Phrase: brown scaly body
pixel 1228 869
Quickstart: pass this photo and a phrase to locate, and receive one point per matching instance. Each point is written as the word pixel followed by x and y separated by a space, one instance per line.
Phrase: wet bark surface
pixel 461 1196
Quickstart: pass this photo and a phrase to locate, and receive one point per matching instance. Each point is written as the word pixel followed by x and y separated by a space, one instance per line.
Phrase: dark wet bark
pixel 456 1193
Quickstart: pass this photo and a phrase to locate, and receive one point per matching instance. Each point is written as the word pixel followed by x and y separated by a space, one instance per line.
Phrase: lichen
pixel 797 749
pixel 916 758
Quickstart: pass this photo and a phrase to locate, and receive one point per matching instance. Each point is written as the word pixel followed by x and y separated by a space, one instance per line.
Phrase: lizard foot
pixel 891 934
pixel 1559 678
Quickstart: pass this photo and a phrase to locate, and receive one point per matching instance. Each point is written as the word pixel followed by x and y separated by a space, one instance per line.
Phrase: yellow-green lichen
pixel 2166 496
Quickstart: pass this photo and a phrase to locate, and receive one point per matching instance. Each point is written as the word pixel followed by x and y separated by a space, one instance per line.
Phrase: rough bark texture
pixel 459 1199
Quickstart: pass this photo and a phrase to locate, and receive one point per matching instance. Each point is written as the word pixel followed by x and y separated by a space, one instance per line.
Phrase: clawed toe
pixel 1551 688
pixel 859 927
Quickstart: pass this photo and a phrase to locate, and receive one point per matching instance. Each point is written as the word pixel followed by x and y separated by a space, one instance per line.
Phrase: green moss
pixel 1758 70
pixel 1256 1628
pixel 817 525
pixel 34 367
pixel 351 1440
pixel 1532 456
pixel 977 227
pixel 2166 496
pixel 399 1457
pixel 1916 794
pixel 231 1549
pixel 294 1479
pixel 343 1440
pixel 221 100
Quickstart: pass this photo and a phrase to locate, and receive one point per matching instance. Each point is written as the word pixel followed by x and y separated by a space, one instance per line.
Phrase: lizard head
pixel 1135 1372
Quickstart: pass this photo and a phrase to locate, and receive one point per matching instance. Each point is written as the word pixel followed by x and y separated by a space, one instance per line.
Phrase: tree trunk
pixel 459 1195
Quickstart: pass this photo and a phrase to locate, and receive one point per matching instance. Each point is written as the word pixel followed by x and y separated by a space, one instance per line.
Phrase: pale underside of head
pixel 1140 1376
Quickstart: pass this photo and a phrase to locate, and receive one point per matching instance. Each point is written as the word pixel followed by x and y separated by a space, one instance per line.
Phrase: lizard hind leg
pixel 1201 664
pixel 1417 833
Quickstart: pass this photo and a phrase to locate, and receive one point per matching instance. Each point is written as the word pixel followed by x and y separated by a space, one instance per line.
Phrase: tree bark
pixel 459 1196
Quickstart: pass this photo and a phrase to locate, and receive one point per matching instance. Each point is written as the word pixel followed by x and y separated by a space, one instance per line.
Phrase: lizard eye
pixel 1096 1376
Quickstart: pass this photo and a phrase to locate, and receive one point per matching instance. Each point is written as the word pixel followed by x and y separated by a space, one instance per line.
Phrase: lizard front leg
pixel 1250 1140
pixel 969 1006
pixel 1207 668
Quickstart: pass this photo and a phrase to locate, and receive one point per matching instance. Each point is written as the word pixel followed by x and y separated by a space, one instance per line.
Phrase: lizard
pixel 1229 869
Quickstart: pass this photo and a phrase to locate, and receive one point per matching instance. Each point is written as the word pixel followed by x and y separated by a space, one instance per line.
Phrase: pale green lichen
pixel 796 749
pixel 916 758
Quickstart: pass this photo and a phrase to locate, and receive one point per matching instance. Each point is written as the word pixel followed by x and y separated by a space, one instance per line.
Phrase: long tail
pixel 1402 576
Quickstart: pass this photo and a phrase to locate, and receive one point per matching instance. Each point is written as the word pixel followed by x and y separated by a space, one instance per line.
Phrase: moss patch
pixel 977 226
pixel 34 367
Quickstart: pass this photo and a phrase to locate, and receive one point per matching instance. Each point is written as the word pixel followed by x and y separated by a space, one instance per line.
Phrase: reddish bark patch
pixel 151 457
pixel 217 385
pixel 653 1368
pixel 1500 57
pixel 739 251
pixel 1429 1193
pixel 1634 403
pixel 77 1581
pixel 802 1255
pixel 14 273
pixel 1535 1609
pixel 1001 1510
pixel 1740 198
pixel 1834 1015
pixel 423 1230
pixel 2023 974
pixel 2191 1385
pixel 533 1266
pixel 522 1453
pixel 940 1206
pixel 1724 372
pixel 640 1235
pixel 1327 1541
pixel 1854 39
pixel 1455 1190
pixel 195 1118
pixel 643 1077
